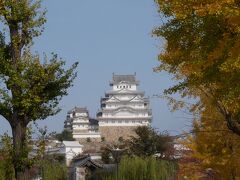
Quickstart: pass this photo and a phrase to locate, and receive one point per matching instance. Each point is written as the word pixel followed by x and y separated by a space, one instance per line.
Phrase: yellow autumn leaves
pixel 202 52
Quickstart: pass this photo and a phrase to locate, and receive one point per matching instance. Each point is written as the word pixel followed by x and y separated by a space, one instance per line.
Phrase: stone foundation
pixel 113 133
pixel 88 140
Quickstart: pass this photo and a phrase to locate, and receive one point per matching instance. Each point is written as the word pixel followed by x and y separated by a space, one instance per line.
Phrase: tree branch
pixel 5 112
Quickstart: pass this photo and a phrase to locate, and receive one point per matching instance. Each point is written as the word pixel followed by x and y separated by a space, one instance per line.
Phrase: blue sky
pixel 106 36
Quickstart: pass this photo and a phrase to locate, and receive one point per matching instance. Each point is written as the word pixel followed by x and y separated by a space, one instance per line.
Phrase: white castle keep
pixel 123 108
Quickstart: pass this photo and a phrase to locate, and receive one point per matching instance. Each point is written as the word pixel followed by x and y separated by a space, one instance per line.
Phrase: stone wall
pixel 113 133
pixel 89 140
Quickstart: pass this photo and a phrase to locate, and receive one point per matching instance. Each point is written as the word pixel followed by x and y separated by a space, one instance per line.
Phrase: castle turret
pixel 81 125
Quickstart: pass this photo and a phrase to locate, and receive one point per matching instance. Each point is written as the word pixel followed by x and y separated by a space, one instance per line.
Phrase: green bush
pixel 2 173
pixel 54 171
pixel 136 168
pixel 6 166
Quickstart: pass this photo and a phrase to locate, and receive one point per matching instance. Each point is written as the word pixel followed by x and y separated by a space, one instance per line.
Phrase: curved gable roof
pixel 123 78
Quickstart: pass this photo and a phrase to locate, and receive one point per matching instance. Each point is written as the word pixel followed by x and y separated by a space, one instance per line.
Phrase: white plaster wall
pixel 120 86
pixel 80 127
pixel 81 114
pixel 87 135
pixel 71 152
pixel 129 123
pixel 134 105
pixel 76 150
pixel 133 87
pixel 115 87
pixel 123 114
pixel 124 97
pixel 80 120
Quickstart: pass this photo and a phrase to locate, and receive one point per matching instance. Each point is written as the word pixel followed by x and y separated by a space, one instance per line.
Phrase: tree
pixel 149 142
pixel 105 155
pixel 65 136
pixel 213 147
pixel 29 88
pixel 202 52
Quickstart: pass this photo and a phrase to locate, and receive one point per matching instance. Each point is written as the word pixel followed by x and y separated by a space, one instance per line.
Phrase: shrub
pixel 54 171
pixel 136 168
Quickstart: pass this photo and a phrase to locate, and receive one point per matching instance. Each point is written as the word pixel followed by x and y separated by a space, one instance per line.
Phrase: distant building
pixel 81 125
pixel 123 109
pixel 81 166
pixel 71 149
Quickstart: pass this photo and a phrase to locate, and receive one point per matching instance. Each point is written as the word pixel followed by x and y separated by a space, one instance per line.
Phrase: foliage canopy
pixel 202 52
pixel 65 136
pixel 212 147
pixel 149 142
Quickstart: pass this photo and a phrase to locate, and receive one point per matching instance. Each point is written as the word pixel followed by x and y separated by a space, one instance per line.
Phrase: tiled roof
pixel 72 144
pixel 126 78
pixel 125 92
pixel 80 109
pixel 93 121
pixel 85 161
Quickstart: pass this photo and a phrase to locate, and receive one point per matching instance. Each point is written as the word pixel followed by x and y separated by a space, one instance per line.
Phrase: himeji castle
pixel 123 108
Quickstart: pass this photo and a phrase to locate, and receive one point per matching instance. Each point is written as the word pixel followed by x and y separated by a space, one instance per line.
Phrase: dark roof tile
pixel 127 78
pixel 80 109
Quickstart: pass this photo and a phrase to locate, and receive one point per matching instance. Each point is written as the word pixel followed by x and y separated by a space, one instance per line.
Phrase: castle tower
pixel 81 125
pixel 123 108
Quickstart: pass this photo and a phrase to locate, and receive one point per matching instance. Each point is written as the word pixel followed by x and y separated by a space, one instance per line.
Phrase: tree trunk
pixel 20 151
pixel 18 124
pixel 233 124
